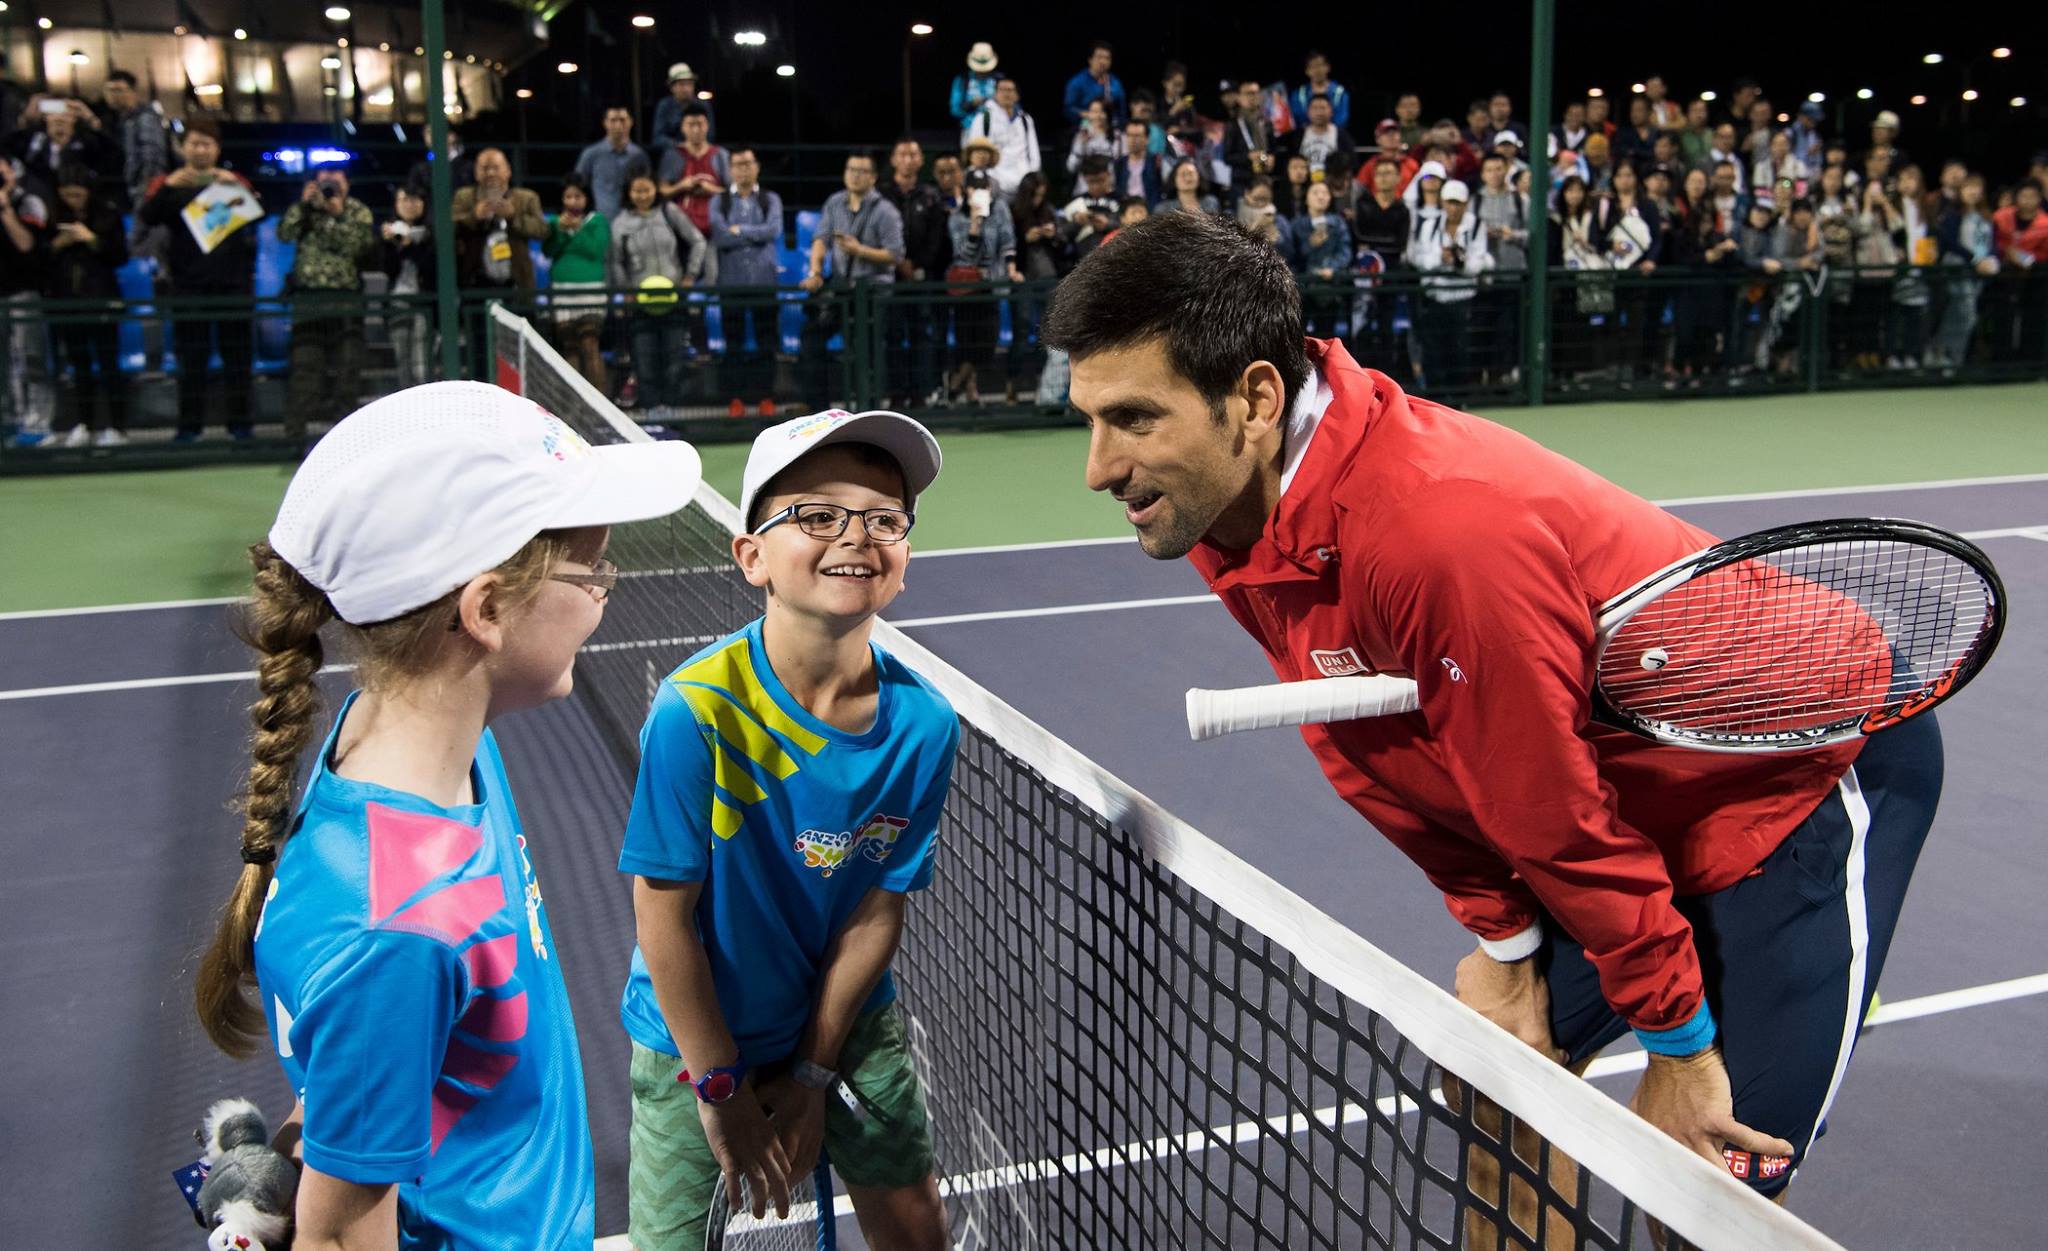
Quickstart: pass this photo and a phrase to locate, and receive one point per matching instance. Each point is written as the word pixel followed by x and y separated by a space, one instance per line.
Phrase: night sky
pixel 848 86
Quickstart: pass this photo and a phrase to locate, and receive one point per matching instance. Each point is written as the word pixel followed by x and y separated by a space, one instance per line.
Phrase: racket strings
pixel 1807 637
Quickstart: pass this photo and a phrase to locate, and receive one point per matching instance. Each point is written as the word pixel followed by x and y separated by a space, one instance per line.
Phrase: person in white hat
pixel 977 86
pixel 453 536
pixel 791 780
pixel 667 129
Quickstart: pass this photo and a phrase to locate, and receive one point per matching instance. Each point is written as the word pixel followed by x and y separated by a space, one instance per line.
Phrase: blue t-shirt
pixel 416 1001
pixel 787 821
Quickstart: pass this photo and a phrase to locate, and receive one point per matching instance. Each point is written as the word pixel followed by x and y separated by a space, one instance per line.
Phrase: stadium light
pixel 1932 58
pixel 1919 100
pixel 1865 93
pixel 643 21
pixel 3 6
pixel 78 58
pixel 1594 93
pixel 44 23
pixel 1971 94
pixel 383 47
pixel 330 62
pixel 337 13
pixel 419 51
pixel 785 71
pixel 1784 117
pixel 920 28
pixel 566 67
pixel 1817 97
pixel 240 34
pixel 1710 96
pixel 470 59
pixel 207 89
pixel 703 95
pixel 524 93
pixel 749 38
pixel 341 43
pixel 2019 102
pixel 2001 53
pixel 1636 87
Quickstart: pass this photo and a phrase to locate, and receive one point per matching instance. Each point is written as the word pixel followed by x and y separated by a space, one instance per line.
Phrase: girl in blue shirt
pixel 391 921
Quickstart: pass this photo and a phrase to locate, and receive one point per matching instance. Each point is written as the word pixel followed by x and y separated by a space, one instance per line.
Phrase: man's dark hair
pixel 1478 106
pixel 620 106
pixel 1100 45
pixel 579 180
pixel 122 76
pixel 694 109
pixel 1216 296
pixel 1311 55
pixel 1493 157
pixel 1094 163
pixel 1006 78
pixel 905 137
pixel 73 174
pixel 1143 95
pixel 736 152
pixel 1128 201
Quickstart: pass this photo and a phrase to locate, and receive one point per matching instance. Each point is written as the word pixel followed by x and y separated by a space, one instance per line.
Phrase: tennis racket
pixel 810 1226
pixel 1782 640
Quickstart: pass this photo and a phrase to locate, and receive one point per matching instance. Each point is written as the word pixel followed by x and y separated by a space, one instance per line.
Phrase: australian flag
pixel 190 1179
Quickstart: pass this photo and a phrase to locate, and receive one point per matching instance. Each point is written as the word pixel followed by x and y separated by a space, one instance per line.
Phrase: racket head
pixel 1799 636
pixel 810 1226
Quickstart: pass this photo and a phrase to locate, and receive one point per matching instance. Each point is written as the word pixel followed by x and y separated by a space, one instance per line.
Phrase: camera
pixel 331 191
pixel 52 108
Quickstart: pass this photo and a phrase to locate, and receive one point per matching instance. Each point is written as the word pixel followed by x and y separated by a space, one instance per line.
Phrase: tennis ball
pixel 657 294
pixel 1656 658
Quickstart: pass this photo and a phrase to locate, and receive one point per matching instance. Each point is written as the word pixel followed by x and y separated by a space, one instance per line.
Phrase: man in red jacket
pixel 1734 911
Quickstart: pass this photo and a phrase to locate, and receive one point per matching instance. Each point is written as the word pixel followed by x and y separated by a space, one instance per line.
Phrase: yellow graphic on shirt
pixel 737 714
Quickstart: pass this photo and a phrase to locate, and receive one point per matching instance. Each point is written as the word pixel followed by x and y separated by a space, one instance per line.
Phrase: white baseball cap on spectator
pixel 1887 119
pixel 414 494
pixel 981 58
pixel 778 447
pixel 1432 169
pixel 1508 137
pixel 681 71
pixel 1455 190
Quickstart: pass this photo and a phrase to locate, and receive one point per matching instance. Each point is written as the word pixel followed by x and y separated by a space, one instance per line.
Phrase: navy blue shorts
pixel 1791 953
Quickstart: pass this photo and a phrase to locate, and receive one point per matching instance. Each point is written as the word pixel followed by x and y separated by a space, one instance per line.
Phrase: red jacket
pixel 2008 233
pixel 1417 540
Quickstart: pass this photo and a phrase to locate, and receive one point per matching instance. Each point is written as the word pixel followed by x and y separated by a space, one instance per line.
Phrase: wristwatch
pixel 717 1085
pixel 813 1076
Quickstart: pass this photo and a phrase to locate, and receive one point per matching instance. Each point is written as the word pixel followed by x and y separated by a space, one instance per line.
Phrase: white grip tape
pixel 1316 702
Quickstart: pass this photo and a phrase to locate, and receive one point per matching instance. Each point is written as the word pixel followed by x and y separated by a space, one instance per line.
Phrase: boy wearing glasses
pixel 791 781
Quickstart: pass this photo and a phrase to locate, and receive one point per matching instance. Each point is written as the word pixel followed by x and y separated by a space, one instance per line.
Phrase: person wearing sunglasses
pixel 791 781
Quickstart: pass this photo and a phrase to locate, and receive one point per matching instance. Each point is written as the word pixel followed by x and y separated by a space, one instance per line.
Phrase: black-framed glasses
pixel 829 521
pixel 603 576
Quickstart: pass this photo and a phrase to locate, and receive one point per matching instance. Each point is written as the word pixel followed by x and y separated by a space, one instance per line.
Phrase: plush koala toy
pixel 247 1199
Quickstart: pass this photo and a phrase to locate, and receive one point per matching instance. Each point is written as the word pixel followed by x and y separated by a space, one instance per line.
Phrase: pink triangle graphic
pixel 410 849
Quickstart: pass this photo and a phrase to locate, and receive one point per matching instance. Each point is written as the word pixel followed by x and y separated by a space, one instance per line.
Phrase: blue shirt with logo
pixel 787 821
pixel 415 999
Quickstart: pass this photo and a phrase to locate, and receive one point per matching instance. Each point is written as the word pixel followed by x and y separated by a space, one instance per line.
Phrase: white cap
pixel 681 70
pixel 412 495
pixel 981 58
pixel 1455 190
pixel 1432 169
pixel 779 447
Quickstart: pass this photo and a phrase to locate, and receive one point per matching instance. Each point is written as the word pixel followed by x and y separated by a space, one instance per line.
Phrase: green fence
pixel 212 376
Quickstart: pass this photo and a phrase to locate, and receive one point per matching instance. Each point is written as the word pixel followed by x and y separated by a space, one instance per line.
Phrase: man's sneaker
pixel 78 436
pixel 110 438
pixel 29 438
pixel 738 407
pixel 768 408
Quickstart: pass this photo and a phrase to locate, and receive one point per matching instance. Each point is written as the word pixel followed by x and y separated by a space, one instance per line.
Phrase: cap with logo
pixel 680 71
pixel 412 495
pixel 778 447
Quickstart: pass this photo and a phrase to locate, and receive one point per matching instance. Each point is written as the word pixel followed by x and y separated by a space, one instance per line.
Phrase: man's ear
pixel 749 554
pixel 1265 397
pixel 480 611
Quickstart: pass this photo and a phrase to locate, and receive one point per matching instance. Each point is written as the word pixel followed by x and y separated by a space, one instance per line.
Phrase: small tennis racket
pixel 810 1226
pixel 1782 640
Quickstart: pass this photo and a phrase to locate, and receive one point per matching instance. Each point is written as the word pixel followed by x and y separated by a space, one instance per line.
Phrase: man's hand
pixel 812 281
pixel 1512 996
pixel 744 1143
pixel 1688 1098
pixel 483 211
pixel 310 193
pixel 797 1114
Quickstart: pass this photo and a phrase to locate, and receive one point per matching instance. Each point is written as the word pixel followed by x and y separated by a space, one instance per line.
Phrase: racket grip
pixel 1316 702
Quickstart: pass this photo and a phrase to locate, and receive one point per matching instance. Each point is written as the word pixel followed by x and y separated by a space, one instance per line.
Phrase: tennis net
pixel 1129 1037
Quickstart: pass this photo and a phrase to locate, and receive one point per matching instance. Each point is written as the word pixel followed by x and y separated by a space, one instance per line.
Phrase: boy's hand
pixel 744 1143
pixel 797 1114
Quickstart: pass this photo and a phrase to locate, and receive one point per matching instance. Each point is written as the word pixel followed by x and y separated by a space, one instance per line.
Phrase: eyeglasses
pixel 603 576
pixel 829 521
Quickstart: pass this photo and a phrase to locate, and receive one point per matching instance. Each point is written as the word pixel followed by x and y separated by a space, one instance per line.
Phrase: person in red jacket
pixel 1734 911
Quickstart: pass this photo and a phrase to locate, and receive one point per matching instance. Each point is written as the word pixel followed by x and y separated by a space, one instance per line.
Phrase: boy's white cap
pixel 412 495
pixel 779 447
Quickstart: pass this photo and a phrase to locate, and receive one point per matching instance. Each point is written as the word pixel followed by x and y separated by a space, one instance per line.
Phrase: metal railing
pixel 170 373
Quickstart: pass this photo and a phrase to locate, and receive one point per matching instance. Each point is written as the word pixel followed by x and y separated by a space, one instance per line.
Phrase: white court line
pixel 1054 544
pixel 1290 1124
pixel 907 623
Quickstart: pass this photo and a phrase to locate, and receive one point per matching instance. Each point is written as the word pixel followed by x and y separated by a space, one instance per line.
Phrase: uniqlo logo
pixel 1773 1165
pixel 1339 662
pixel 1738 1161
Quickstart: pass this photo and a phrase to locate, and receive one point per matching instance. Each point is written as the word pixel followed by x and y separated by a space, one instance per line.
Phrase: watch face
pixel 717 1087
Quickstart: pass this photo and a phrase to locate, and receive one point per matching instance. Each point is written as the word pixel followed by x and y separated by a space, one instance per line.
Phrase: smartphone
pixel 50 108
pixel 980 199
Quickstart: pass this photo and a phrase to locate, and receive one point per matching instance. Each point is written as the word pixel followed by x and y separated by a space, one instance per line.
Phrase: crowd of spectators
pixel 1410 240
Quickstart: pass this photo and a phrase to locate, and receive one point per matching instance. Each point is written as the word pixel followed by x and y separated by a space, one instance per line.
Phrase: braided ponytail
pixel 282 622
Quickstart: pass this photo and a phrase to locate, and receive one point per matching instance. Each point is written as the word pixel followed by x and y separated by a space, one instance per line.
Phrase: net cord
pixel 1686 1192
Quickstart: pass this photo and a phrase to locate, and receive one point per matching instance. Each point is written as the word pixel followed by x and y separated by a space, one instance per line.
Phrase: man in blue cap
pixel 1804 132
